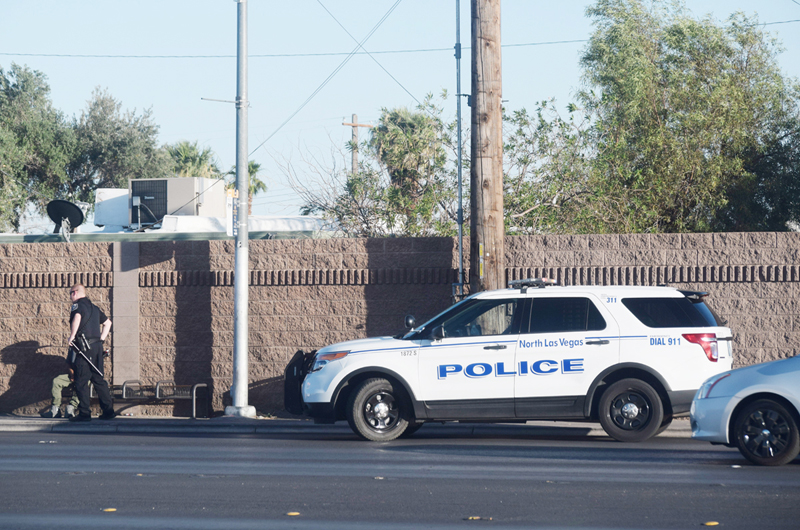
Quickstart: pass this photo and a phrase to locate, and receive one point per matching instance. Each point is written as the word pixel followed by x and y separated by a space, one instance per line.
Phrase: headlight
pixel 321 360
pixel 708 386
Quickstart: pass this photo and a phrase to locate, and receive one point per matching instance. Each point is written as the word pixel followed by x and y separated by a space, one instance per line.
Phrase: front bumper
pixel 321 412
pixel 710 418
pixel 293 378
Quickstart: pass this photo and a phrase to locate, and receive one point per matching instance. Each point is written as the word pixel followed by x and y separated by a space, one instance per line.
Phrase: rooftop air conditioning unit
pixel 149 200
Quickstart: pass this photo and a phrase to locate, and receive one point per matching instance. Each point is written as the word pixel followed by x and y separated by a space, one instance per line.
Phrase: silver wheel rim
pixel 630 411
pixel 380 411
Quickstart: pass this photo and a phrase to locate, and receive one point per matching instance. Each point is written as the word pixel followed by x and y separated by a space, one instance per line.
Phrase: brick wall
pixel 34 309
pixel 310 293
pixel 304 294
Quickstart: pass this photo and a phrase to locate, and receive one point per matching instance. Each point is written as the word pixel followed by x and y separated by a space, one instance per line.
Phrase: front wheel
pixel 411 429
pixel 631 411
pixel 766 433
pixel 376 411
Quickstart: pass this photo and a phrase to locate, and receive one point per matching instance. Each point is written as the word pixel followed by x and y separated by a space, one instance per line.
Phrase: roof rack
pixel 538 283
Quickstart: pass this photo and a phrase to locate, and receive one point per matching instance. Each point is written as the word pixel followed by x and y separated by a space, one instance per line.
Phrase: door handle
pixel 597 342
pixel 495 347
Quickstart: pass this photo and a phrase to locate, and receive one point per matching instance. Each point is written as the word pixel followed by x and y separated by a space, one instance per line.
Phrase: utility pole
pixel 487 231
pixel 355 125
pixel 241 276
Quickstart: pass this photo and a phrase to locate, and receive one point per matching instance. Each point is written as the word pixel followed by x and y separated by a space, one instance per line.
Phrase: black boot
pixel 108 415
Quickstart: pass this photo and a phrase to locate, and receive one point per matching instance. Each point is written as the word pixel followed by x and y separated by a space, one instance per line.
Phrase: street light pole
pixel 460 218
pixel 241 276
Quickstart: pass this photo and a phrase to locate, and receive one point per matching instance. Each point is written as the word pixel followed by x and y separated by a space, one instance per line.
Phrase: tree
pixel 112 147
pixel 36 144
pixel 188 160
pixel 256 185
pixel 547 161
pixel 685 125
pixel 13 197
pixel 409 146
pixel 405 184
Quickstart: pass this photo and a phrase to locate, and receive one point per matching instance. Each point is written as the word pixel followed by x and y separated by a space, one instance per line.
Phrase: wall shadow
pixel 193 336
pixel 187 344
pixel 29 386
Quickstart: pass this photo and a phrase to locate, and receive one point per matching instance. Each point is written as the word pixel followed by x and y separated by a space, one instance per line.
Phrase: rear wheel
pixel 631 411
pixel 766 433
pixel 376 411
pixel 665 423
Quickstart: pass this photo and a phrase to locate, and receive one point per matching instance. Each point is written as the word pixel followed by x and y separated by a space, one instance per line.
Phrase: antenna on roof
pixel 66 215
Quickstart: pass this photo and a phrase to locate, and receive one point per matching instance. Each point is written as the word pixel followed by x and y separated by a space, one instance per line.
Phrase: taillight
pixel 708 341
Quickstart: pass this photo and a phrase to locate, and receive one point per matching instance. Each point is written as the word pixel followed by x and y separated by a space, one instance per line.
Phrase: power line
pixel 781 22
pixel 331 76
pixel 370 55
pixel 322 54
pixel 274 55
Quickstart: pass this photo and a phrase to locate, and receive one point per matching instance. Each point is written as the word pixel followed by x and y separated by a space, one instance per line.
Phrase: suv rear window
pixel 554 315
pixel 670 312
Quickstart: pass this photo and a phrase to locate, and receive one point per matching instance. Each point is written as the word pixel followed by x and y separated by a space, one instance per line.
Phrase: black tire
pixel 376 411
pixel 411 429
pixel 766 433
pixel 631 411
pixel 665 423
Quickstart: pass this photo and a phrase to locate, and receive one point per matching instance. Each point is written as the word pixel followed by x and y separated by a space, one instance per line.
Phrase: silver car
pixel 755 408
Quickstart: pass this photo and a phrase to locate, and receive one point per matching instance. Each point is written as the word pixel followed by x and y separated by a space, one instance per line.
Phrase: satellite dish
pixel 65 215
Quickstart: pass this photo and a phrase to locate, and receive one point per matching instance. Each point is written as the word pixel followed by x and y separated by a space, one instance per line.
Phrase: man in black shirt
pixel 88 320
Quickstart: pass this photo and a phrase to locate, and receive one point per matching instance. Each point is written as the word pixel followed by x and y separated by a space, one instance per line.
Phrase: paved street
pixel 508 476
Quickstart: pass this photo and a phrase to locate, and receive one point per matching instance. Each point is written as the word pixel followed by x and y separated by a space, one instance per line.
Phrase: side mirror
pixel 411 322
pixel 438 333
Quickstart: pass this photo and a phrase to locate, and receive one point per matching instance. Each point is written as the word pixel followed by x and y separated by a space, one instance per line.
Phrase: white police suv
pixel 628 357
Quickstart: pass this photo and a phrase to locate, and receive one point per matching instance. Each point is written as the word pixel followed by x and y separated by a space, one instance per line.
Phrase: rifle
pixel 83 348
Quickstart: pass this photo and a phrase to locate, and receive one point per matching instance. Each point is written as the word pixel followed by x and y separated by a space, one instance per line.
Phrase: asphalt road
pixel 431 480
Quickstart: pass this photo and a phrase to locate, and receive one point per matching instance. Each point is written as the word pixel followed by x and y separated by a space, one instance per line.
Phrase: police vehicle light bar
pixel 539 283
pixel 694 296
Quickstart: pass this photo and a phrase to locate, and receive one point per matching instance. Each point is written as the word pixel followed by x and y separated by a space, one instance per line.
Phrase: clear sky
pixel 168 54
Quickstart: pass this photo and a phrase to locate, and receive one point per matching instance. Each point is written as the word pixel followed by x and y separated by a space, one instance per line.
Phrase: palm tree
pixel 256 184
pixel 409 146
pixel 190 161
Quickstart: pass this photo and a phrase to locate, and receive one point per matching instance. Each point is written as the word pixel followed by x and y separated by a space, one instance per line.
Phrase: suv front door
pixel 469 372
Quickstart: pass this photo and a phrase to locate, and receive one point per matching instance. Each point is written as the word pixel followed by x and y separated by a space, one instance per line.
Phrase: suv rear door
pixel 569 341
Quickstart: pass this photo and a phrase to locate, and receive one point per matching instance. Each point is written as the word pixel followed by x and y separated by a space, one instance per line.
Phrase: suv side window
pixel 668 313
pixel 552 315
pixel 485 317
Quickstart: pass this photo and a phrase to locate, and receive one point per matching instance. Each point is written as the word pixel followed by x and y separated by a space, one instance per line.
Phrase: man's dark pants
pixel 85 373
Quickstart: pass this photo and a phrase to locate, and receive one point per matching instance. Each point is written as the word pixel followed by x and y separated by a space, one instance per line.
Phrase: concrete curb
pixel 233 425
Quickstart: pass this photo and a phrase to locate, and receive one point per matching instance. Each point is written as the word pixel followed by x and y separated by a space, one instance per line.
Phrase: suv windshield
pixel 474 317
pixel 671 312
